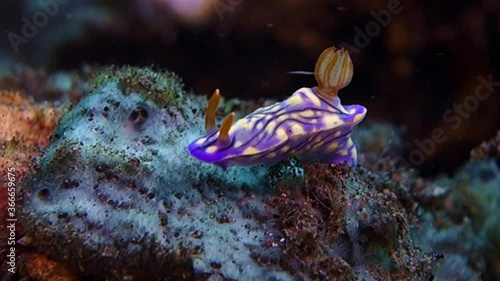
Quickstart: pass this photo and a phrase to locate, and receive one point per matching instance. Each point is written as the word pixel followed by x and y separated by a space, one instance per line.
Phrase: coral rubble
pixel 464 227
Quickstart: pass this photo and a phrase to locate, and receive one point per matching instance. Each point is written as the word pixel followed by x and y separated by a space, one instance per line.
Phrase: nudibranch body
pixel 312 124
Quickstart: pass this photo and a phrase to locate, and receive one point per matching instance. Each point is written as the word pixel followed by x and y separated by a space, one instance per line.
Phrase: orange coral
pixel 32 123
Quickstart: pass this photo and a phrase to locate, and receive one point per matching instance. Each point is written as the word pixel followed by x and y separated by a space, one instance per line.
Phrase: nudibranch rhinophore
pixel 312 124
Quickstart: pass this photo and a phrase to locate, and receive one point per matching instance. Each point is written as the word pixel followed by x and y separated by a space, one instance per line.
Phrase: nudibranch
pixel 312 124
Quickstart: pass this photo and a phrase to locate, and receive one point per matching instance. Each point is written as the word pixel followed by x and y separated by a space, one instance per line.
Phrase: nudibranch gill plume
pixel 312 124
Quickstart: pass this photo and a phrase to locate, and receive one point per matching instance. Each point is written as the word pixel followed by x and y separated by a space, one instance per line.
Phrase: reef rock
pixel 116 196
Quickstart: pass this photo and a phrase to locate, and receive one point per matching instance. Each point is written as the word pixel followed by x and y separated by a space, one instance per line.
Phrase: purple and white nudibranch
pixel 312 124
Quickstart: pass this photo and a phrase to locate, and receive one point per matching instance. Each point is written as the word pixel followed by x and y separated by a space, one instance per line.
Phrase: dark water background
pixel 411 72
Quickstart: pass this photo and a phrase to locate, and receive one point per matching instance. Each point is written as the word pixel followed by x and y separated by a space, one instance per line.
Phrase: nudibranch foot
pixel 346 154
pixel 311 124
